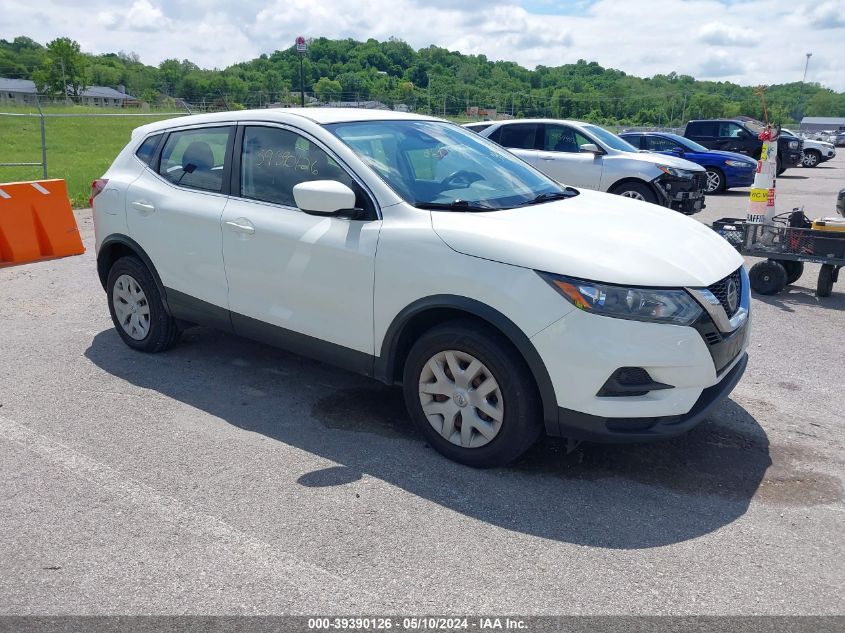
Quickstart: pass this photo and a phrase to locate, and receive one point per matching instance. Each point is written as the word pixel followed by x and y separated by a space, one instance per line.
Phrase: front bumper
pixel 684 195
pixel 583 426
pixel 791 158
pixel 736 177
pixel 702 363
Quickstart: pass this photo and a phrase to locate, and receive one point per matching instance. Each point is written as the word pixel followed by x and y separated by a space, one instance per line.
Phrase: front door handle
pixel 547 157
pixel 145 208
pixel 241 225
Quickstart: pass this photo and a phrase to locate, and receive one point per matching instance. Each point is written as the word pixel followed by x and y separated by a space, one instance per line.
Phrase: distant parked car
pixel 814 152
pixel 839 141
pixel 586 155
pixel 741 135
pixel 725 170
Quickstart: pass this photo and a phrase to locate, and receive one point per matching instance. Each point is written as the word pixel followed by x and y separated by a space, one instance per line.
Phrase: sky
pixel 750 42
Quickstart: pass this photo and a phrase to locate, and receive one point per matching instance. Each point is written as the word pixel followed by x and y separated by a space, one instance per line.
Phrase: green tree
pixel 327 89
pixel 63 70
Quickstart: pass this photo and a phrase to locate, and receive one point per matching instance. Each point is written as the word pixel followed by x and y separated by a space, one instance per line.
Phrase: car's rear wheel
pixel 811 158
pixel 137 309
pixel 471 395
pixel 715 180
pixel 779 168
pixel 635 190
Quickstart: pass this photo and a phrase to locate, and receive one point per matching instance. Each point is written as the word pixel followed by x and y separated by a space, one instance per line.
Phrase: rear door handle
pixel 241 225
pixel 145 208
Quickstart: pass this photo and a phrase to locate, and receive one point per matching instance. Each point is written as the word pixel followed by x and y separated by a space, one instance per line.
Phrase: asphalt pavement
pixel 225 477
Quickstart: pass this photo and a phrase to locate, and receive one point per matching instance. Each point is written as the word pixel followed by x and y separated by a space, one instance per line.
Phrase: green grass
pixel 79 149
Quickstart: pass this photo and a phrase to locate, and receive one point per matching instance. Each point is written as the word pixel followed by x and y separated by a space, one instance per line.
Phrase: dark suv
pixel 741 135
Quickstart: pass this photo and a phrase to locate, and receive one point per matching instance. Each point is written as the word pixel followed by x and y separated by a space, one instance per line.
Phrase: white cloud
pixel 726 35
pixel 708 39
pixel 827 15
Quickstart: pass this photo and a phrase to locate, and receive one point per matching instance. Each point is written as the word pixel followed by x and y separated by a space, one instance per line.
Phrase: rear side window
pixel 275 160
pixel 702 129
pixel 633 139
pixel 148 148
pixel 519 136
pixel 659 144
pixel 195 158
pixel 478 127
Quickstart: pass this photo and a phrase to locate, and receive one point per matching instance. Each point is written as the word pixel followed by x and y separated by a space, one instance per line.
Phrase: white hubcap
pixel 461 399
pixel 636 195
pixel 713 181
pixel 131 307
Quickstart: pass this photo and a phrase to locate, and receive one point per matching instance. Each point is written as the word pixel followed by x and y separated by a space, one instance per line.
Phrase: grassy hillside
pixel 79 149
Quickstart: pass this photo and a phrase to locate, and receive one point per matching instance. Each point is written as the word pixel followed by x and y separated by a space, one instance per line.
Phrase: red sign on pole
pixel 301 45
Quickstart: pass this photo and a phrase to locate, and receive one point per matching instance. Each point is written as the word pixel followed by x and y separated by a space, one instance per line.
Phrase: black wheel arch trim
pixel 385 368
pixel 124 240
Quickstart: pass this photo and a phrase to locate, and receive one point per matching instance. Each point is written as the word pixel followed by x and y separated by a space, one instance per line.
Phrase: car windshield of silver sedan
pixel 437 165
pixel 610 139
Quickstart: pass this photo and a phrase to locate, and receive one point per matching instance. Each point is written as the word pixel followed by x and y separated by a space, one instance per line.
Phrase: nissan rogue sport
pixel 416 252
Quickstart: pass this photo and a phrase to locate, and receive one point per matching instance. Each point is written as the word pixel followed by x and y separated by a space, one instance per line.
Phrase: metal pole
pixel 801 90
pixel 43 139
pixel 301 84
pixel 429 92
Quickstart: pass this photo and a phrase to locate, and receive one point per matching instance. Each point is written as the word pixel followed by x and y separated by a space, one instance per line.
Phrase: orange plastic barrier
pixel 36 222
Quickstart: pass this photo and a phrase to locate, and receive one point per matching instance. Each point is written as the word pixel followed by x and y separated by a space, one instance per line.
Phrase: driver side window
pixel 731 130
pixel 560 138
pixel 274 160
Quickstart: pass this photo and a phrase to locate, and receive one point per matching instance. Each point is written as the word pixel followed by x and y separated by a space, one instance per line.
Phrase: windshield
pixel 688 144
pixel 754 126
pixel 438 163
pixel 609 138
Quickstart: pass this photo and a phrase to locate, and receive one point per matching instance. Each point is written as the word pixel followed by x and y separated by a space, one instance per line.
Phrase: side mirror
pixel 590 148
pixel 325 198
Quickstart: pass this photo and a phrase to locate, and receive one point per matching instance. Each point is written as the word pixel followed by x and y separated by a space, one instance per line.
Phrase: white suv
pixel 411 250
pixel 586 155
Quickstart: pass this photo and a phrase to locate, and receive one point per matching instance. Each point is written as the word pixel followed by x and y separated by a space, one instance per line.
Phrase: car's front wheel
pixel 811 158
pixel 715 181
pixel 471 395
pixel 137 309
pixel 635 190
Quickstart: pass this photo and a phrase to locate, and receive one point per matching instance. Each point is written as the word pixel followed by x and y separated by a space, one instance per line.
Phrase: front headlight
pixel 674 171
pixel 656 305
pixel 740 163
pixel 793 144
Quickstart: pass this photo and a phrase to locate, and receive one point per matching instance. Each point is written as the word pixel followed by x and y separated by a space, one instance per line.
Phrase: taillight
pixel 96 187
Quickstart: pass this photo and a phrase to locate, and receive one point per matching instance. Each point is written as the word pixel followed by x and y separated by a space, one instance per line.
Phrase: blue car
pixel 724 169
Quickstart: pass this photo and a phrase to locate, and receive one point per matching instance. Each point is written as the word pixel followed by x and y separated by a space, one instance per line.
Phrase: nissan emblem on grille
pixel 731 295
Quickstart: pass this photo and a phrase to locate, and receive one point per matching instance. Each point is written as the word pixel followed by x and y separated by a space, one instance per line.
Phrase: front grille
pixel 720 290
pixel 699 181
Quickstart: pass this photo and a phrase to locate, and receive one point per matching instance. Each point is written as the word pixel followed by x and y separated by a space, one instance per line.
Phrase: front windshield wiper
pixel 457 205
pixel 569 192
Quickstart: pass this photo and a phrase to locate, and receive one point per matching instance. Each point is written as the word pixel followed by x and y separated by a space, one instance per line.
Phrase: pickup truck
pixel 741 135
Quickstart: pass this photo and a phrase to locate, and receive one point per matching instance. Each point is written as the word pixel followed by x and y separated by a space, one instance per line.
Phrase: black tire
pixel 811 158
pixel 767 277
pixel 714 173
pixel 163 330
pixel 826 279
pixel 779 169
pixel 635 190
pixel 794 270
pixel 522 414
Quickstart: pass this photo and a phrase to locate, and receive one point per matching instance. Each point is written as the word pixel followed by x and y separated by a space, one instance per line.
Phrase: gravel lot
pixel 227 477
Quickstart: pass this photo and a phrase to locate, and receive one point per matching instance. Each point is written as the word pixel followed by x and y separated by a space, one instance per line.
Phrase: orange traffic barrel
pixel 36 222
